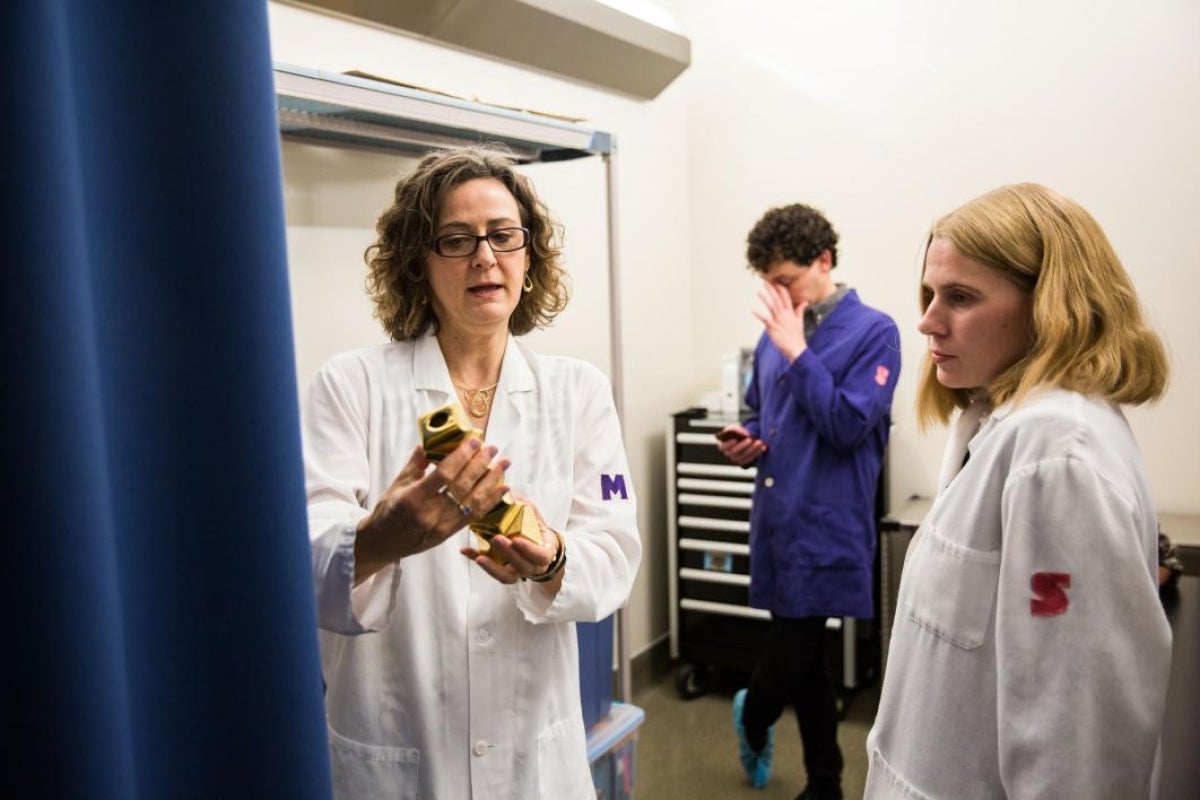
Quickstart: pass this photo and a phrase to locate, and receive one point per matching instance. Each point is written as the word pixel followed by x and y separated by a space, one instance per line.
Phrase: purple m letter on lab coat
pixel 613 484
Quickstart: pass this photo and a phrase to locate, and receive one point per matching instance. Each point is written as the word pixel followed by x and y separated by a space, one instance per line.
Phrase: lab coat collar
pixel 828 320
pixel 513 395
pixel 1004 410
pixel 972 427
pixel 515 390
pixel 429 367
pixel 430 372
pixel 963 430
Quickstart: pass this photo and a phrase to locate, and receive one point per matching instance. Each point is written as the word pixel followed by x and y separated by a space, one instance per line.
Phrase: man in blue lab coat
pixel 825 369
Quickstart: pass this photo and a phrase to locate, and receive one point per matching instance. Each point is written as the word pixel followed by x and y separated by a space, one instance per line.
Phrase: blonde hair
pixel 1089 334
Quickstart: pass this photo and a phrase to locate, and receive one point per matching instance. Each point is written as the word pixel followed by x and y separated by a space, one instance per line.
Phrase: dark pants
pixel 793 671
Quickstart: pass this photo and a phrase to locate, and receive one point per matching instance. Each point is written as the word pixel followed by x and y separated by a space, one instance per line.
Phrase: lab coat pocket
pixel 363 770
pixel 884 784
pixel 563 772
pixel 949 589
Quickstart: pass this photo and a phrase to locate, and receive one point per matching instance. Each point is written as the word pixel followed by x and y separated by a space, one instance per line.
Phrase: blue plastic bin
pixel 595 669
pixel 611 750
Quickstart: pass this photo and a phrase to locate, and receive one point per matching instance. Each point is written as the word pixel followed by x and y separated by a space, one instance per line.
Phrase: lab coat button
pixel 769 482
pixel 483 636
pixel 480 748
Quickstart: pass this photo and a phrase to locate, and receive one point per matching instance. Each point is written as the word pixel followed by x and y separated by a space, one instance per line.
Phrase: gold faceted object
pixel 444 429
pixel 509 517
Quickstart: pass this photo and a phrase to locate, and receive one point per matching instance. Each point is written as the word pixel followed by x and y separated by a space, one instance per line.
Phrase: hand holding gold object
pixel 442 430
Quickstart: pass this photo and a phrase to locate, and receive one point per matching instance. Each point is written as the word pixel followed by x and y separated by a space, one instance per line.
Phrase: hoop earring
pixel 527 284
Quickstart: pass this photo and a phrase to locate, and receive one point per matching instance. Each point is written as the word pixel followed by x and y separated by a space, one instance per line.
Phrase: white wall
pixel 886 114
pixel 332 197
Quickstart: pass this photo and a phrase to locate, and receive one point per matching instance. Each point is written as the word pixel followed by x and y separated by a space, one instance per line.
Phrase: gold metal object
pixel 442 430
pixel 509 517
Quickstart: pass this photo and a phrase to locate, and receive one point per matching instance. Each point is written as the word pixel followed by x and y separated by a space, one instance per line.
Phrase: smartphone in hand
pixel 730 435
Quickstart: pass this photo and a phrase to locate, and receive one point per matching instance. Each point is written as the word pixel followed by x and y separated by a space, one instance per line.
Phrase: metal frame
pixel 347 109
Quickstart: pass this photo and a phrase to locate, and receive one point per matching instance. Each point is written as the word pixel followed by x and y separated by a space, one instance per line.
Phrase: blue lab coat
pixel 825 420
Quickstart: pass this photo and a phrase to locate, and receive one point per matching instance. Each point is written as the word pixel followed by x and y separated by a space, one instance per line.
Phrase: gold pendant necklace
pixel 478 400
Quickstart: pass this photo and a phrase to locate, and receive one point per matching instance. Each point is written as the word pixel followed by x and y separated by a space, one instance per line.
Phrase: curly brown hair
pixel 396 280
pixel 794 232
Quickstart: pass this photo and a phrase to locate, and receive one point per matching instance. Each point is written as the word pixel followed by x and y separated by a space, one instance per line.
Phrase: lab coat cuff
pixel 538 606
pixel 348 609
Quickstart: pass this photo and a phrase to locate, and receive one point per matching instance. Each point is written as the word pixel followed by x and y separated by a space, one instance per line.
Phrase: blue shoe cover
pixel 757 766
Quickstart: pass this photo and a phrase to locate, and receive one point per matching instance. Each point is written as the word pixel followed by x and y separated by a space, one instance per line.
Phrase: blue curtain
pixel 161 623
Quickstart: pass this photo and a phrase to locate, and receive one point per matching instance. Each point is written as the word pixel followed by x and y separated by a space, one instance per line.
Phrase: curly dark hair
pixel 396 280
pixel 795 232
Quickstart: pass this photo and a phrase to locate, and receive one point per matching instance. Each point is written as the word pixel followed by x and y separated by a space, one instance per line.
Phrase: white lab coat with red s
pixel 442 682
pixel 1030 653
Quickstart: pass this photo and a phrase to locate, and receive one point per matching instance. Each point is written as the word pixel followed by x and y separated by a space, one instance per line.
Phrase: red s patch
pixel 1049 598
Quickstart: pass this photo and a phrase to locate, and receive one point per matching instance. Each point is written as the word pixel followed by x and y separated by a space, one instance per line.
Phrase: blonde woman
pixel 1030 654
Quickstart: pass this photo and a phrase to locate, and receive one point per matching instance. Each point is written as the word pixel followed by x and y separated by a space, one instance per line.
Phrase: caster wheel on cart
pixel 691 681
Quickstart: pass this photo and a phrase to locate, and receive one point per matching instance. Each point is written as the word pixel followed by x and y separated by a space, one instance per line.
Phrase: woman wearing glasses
pixel 452 673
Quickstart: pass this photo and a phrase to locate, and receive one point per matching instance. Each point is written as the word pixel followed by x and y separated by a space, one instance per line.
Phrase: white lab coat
pixel 443 683
pixel 994 689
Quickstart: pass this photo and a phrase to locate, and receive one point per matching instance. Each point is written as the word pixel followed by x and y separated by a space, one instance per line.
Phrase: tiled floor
pixel 686 748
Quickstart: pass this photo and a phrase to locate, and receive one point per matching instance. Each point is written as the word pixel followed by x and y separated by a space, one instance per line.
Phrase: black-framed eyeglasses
pixel 461 245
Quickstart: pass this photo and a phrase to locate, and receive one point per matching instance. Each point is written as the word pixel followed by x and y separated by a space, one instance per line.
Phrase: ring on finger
pixel 463 509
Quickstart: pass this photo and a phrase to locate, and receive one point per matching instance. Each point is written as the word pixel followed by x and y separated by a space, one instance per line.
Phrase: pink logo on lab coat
pixel 1049 598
